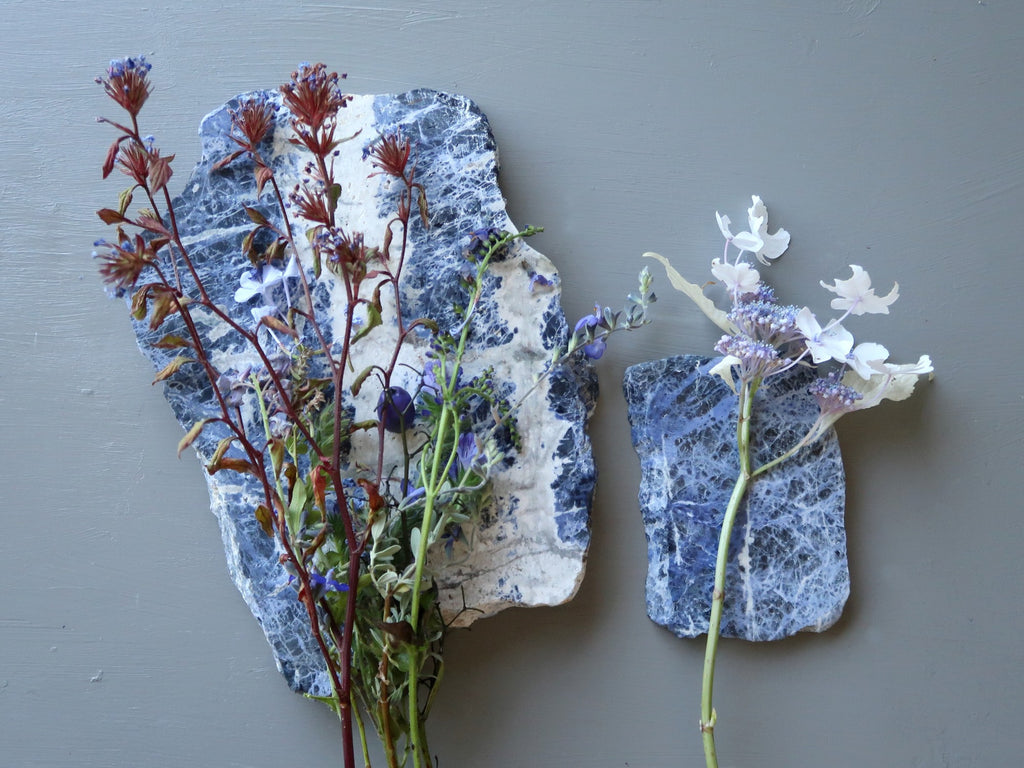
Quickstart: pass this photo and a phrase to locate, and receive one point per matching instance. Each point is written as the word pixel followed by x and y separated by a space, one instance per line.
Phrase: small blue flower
pixel 468 453
pixel 395 409
pixel 595 348
pixel 539 279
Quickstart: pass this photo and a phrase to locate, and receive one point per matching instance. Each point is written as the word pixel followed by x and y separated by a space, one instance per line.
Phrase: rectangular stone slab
pixel 787 568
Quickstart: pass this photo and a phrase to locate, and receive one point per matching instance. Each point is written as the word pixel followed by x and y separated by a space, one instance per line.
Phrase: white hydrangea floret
pixel 772 246
pixel 890 382
pixel 739 278
pixel 857 297
pixel 831 343
pixel 745 241
pixel 862 357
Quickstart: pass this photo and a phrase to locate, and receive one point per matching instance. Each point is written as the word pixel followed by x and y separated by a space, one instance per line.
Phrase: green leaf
pixel 192 434
pixel 424 215
pixel 124 200
pixel 279 325
pixel 170 341
pixel 373 319
pixel 140 302
pixel 247 243
pixel 255 216
pixel 218 454
pixel 265 519
pixel 171 368
pixel 361 379
pixel 300 492
pixel 328 700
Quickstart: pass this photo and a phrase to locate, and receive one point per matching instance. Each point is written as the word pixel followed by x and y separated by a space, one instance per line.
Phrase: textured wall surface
pixel 878 133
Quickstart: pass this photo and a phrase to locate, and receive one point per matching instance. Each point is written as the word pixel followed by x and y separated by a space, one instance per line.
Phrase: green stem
pixel 362 730
pixel 708 715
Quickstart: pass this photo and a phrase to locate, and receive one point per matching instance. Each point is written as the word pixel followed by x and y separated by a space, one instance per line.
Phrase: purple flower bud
pixel 395 409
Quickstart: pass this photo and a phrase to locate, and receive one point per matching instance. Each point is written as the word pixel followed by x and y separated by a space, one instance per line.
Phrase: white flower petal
pixel 863 355
pixel 756 211
pixel 880 387
pixel 292 268
pixel 258 313
pixel 923 365
pixel 739 278
pixel 858 297
pixel 723 225
pixel 747 241
pixel 774 245
pixel 833 343
pixel 249 287
pixel 271 277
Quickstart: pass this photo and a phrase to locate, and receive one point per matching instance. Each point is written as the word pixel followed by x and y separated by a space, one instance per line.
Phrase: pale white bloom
pixel 858 297
pixel 745 241
pixel 757 240
pixel 257 282
pixel 262 280
pixel 880 387
pixel 739 278
pixel 833 342
pixel 772 246
pixel 923 365
pixel 258 313
pixel 864 355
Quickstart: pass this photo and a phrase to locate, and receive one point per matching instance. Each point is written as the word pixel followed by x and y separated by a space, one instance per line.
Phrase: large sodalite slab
pixel 787 568
pixel 531 546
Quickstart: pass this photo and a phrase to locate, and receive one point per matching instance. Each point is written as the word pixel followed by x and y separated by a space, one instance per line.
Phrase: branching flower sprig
pixel 353 525
pixel 764 338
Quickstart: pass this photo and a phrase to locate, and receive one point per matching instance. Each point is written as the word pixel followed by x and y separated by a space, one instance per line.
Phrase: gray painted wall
pixel 885 134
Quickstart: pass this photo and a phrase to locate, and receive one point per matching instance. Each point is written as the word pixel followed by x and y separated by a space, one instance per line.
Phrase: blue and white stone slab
pixel 530 547
pixel 787 569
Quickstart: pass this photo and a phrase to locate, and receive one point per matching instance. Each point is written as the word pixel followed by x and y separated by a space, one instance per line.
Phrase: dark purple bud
pixel 395 409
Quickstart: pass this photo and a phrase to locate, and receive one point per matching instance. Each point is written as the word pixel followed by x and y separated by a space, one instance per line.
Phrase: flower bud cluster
pixel 127 83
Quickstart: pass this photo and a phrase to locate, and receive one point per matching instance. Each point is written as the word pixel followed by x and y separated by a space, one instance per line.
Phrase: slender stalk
pixel 708 716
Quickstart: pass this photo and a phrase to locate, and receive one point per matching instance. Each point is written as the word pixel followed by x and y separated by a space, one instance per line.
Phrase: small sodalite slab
pixel 787 568
pixel 530 547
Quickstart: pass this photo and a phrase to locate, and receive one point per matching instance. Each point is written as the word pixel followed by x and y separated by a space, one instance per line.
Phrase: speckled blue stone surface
pixel 787 568
pixel 530 547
